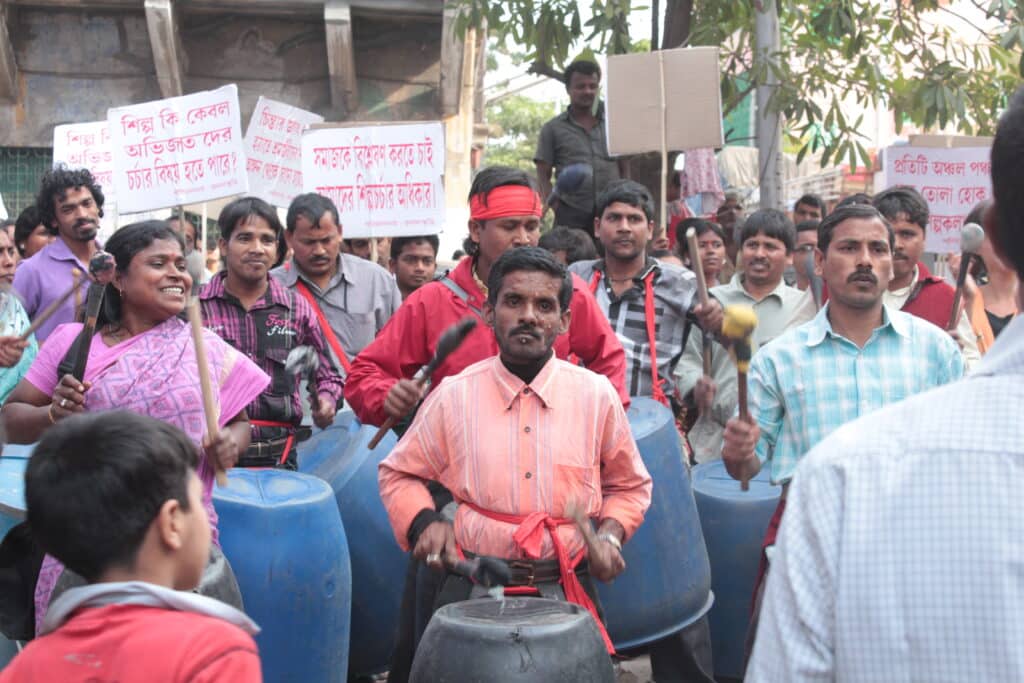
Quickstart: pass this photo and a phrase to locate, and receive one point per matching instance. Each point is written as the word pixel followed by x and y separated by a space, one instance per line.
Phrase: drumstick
pixel 448 342
pixel 574 511
pixel 209 406
pixel 702 291
pixel 52 308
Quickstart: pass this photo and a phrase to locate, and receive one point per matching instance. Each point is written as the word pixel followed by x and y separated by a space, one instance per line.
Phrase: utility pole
pixel 769 126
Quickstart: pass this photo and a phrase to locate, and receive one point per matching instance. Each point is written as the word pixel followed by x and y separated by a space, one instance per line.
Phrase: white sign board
pixel 181 150
pixel 952 181
pixel 386 180
pixel 87 145
pixel 690 81
pixel 273 149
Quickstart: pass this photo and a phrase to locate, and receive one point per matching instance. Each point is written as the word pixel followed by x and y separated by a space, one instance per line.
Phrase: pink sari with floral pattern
pixel 154 374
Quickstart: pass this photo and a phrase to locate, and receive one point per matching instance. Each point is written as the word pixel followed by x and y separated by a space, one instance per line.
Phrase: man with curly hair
pixel 70 202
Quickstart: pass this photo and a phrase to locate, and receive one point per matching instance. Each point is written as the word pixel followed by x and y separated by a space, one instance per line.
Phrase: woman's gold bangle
pixel 49 414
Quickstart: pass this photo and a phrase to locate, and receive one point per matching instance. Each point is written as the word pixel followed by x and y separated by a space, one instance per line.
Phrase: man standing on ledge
pixel 514 483
pixel 577 136
pixel 352 298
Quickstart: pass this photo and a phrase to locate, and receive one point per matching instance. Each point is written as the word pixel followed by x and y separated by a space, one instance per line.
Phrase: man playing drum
pixel 518 439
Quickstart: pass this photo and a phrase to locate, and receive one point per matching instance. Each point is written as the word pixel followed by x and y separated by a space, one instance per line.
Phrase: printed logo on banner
pixel 386 180
pixel 952 181
pixel 180 150
pixel 273 148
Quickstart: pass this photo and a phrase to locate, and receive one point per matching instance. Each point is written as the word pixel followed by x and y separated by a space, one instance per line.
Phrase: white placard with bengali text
pixel 952 181
pixel 87 145
pixel 273 149
pixel 386 180
pixel 181 150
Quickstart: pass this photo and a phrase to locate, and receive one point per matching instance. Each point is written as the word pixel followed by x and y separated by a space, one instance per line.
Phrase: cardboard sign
pixel 87 145
pixel 693 100
pixel 386 180
pixel 952 181
pixel 180 150
pixel 273 149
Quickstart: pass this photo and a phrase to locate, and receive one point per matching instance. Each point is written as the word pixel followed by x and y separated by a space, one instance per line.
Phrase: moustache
pixel 863 275
pixel 523 329
pixel 81 223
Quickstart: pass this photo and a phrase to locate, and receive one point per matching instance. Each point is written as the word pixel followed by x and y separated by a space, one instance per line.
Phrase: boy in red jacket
pixel 115 497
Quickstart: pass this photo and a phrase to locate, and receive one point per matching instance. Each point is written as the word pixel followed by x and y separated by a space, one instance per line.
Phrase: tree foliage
pixel 900 54
pixel 518 120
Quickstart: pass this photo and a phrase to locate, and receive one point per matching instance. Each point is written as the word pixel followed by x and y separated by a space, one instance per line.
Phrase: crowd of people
pixel 894 475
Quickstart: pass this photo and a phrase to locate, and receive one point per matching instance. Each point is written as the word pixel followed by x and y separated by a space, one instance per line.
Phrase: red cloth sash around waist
pixel 529 537
pixel 289 442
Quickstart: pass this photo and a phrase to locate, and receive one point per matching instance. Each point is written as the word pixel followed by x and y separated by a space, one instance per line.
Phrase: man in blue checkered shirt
pixel 856 356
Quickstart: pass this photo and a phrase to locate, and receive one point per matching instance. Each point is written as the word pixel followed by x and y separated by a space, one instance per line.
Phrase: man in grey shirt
pixel 577 136
pixel 356 297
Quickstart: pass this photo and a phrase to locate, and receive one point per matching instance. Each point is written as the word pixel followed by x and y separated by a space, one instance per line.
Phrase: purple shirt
pixel 276 323
pixel 43 278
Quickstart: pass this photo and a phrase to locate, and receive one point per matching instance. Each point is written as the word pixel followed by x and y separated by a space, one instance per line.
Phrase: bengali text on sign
pixel 273 148
pixel 385 180
pixel 952 180
pixel 180 150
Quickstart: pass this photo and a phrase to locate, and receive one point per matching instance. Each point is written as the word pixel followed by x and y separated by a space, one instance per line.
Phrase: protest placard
pixel 686 81
pixel 386 180
pixel 273 149
pixel 87 145
pixel 952 181
pixel 181 150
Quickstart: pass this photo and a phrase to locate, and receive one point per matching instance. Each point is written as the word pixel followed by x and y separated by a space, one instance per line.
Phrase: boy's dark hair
pixel 700 226
pixel 1007 171
pixel 906 200
pixel 533 259
pixel 55 184
pixel 627 192
pixel 861 211
pixel 242 209
pixel 310 206
pixel 581 66
pixel 808 226
pixel 811 199
pixel 398 244
pixel 96 482
pixel 577 245
pixel 773 223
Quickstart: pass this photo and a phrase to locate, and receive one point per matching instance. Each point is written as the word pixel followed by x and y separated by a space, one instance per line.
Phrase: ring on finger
pixel 433 558
pixel 63 402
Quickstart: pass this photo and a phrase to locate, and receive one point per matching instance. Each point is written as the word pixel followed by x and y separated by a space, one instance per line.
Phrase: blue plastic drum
pixel 12 485
pixel 378 565
pixel 667 582
pixel 734 523
pixel 284 538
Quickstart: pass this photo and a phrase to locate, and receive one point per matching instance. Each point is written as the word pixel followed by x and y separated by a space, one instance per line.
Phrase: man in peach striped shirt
pixel 516 438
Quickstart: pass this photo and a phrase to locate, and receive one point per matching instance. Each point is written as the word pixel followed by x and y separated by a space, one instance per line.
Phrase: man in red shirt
pixel 505 212
pixel 115 497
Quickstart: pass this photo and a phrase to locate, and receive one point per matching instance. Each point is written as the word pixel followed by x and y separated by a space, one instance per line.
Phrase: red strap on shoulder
pixel 325 326
pixel 658 394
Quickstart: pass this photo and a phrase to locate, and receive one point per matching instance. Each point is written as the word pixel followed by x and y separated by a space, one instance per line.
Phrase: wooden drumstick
pixel 738 326
pixel 702 292
pixel 195 317
pixel 574 511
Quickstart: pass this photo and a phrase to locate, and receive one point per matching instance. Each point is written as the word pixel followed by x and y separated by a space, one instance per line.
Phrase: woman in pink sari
pixel 142 359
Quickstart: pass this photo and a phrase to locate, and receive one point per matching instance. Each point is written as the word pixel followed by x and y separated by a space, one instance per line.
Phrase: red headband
pixel 506 200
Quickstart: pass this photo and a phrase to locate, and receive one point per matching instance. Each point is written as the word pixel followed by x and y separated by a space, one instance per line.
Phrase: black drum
pixel 518 639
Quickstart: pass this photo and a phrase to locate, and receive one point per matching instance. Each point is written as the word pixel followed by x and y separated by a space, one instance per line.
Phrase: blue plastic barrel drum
pixel 321 573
